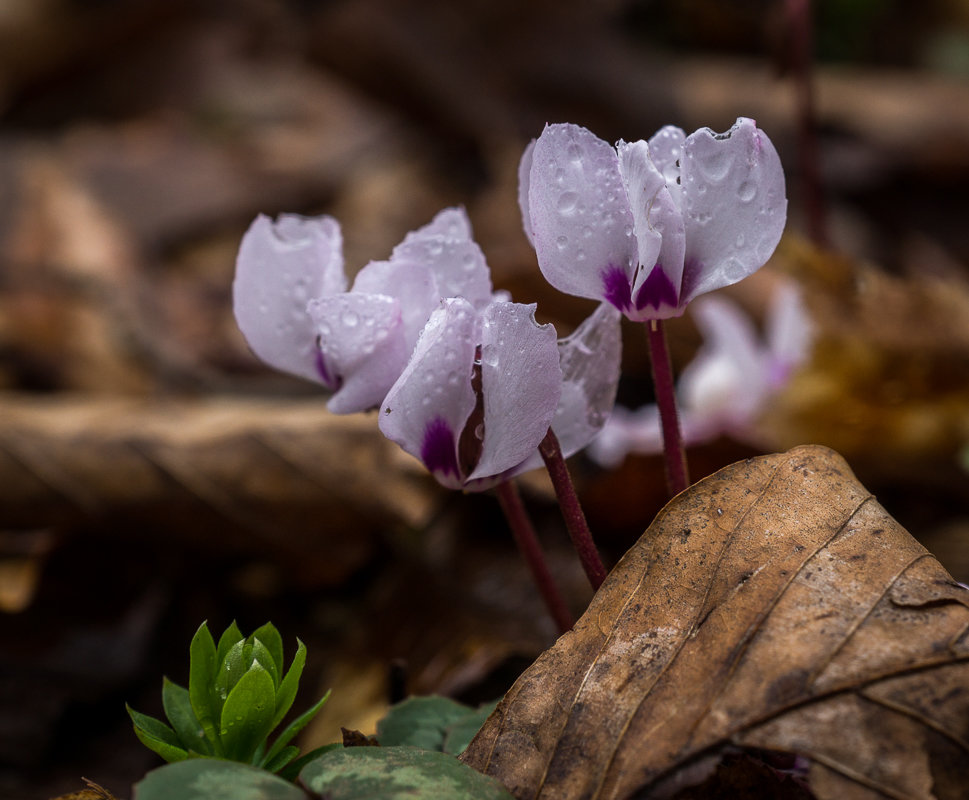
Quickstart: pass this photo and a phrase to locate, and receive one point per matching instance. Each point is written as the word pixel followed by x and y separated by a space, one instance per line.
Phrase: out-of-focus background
pixel 153 474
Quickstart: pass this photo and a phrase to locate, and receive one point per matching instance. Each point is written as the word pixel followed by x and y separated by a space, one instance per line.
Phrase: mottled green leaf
pixel 289 684
pixel 460 733
pixel 201 678
pixel 178 709
pixel 271 638
pixel 389 773
pixel 420 722
pixel 247 714
pixel 291 771
pixel 212 779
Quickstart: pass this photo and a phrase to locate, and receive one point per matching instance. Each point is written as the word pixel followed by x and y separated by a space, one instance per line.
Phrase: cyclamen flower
pixel 482 389
pixel 292 306
pixel 648 226
pixel 727 386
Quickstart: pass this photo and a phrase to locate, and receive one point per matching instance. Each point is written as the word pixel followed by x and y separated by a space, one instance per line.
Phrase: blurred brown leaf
pixel 280 477
pixel 775 605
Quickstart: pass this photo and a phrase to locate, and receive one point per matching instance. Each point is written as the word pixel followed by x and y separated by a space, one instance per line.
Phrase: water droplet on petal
pixel 575 153
pixel 350 318
pixel 740 240
pixel 562 242
pixel 479 430
pixel 567 202
pixel 747 191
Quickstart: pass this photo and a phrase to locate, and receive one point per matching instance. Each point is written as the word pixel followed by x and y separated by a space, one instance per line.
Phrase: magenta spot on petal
pixel 657 290
pixel 332 382
pixel 616 288
pixel 438 450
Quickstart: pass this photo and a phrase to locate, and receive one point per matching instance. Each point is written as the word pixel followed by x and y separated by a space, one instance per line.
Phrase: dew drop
pixel 562 242
pixel 350 318
pixel 479 430
pixel 580 255
pixel 575 153
pixel 567 202
pixel 715 165
pixel 740 240
pixel 587 232
pixel 747 191
pixel 324 329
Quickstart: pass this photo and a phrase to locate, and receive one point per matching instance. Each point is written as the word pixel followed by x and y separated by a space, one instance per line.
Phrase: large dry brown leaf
pixel 774 605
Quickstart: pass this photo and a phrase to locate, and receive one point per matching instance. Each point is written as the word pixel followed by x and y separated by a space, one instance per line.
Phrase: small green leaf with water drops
pixel 230 636
pixel 359 773
pixel 157 736
pixel 273 641
pixel 261 655
pixel 289 684
pixel 291 730
pixel 178 709
pixel 247 715
pixel 201 680
pixel 213 779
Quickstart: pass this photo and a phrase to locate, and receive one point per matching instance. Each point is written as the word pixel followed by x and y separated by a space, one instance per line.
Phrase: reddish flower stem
pixel 531 550
pixel 572 512
pixel 673 450
pixel 801 24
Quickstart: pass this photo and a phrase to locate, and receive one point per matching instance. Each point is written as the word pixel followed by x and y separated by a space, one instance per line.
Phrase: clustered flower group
pixel 465 379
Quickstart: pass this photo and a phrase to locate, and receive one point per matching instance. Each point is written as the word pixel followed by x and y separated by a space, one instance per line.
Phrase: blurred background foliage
pixel 154 474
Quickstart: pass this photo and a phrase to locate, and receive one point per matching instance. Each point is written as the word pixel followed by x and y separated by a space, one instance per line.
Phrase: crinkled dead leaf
pixel 775 605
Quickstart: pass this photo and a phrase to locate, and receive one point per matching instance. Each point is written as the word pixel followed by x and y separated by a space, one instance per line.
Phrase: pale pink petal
pixel 361 347
pixel 281 265
pixel 520 381
pixel 458 265
pixel 734 205
pixel 427 409
pixel 789 332
pixel 412 284
pixel 590 374
pixel 666 149
pixel 727 380
pixel 451 223
pixel 627 432
pixel 524 181
pixel 580 216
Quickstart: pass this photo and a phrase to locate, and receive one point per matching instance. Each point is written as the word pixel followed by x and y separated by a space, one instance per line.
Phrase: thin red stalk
pixel 802 35
pixel 673 450
pixel 531 550
pixel 571 509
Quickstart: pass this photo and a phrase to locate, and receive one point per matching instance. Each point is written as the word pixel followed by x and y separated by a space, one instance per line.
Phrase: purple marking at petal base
pixel 438 451
pixel 616 288
pixel 657 290
pixel 324 372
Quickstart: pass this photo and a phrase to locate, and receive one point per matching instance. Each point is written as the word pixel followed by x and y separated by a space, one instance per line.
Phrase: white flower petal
pixel 521 382
pixel 734 205
pixel 581 222
pixel 281 265
pixel 590 374
pixel 426 410
pixel 361 347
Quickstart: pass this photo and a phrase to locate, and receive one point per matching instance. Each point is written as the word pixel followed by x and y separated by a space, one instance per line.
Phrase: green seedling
pixel 237 695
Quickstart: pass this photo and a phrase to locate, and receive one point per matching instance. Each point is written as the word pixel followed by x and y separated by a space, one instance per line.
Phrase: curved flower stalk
pixel 648 226
pixel 292 305
pixel 726 388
